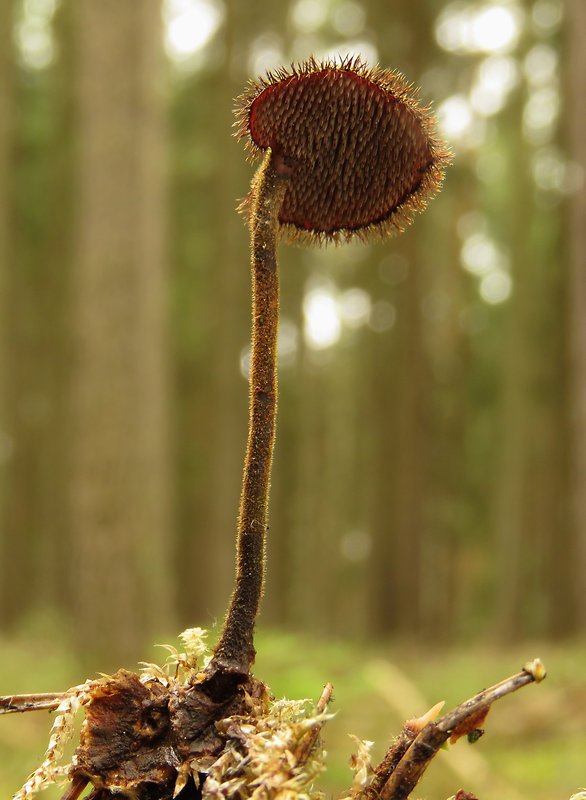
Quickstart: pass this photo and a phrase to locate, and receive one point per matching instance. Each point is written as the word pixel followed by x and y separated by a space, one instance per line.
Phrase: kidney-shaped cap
pixel 363 156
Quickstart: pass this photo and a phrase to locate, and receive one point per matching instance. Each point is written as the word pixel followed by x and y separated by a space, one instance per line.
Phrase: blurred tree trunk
pixel 410 377
pixel 36 330
pixel 350 542
pixel 120 476
pixel 551 607
pixel 396 421
pixel 512 479
pixel 311 601
pixel 576 115
pixel 443 580
pixel 52 543
pixel 7 122
pixel 399 387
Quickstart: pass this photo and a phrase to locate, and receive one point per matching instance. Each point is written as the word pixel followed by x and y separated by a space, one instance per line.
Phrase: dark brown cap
pixel 363 156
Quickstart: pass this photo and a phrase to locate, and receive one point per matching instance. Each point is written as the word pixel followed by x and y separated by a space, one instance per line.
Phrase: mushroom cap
pixel 363 156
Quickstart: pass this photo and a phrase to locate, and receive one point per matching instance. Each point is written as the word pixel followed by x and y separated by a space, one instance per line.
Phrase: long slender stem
pixel 235 650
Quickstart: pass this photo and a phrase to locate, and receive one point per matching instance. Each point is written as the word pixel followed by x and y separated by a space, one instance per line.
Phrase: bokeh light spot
pixel 355 546
pixel 540 65
pixel 323 326
pixel 547 16
pixel 349 18
pixel 35 41
pixel 189 26
pixel 497 77
pixel 486 28
pixel 354 307
pixel 382 316
pixel 540 115
pixel 455 117
pixel 308 16
pixel 266 53
pixel 496 287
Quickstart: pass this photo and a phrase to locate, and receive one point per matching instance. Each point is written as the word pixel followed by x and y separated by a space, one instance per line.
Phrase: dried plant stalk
pixel 19 703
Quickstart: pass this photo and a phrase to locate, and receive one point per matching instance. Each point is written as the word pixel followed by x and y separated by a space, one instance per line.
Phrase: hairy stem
pixel 235 652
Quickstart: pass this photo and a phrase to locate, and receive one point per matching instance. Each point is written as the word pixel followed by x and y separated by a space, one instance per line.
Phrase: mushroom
pixel 348 152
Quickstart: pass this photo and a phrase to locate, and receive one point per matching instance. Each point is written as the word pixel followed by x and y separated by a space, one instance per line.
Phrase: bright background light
pixel 35 41
pixel 497 76
pixel 189 26
pixel 455 117
pixel 488 28
pixel 323 326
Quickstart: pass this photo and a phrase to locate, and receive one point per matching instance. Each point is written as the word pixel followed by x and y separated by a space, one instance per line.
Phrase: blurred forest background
pixel 429 489
pixel 430 470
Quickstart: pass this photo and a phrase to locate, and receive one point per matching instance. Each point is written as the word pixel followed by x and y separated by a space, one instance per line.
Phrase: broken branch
pixel 19 703
pixel 407 772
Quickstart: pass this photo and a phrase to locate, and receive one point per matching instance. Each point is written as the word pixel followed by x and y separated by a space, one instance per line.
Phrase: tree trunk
pixel 7 116
pixel 399 389
pixel 120 489
pixel 51 547
pixel 512 478
pixel 576 114
pixel 446 513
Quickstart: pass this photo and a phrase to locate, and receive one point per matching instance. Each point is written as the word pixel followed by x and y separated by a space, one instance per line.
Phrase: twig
pixel 325 698
pixel 75 788
pixel 416 759
pixel 533 672
pixel 309 741
pixel 19 703
pixel 466 763
pixel 397 750
pixel 389 764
